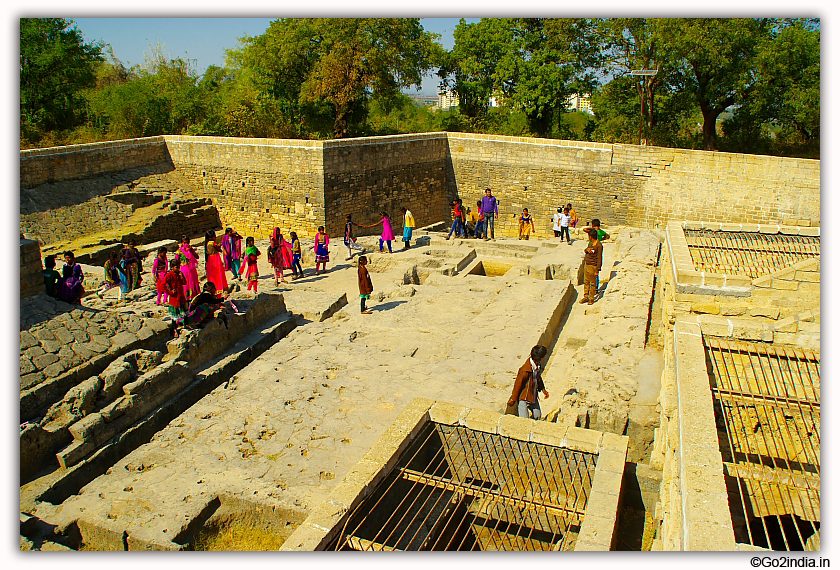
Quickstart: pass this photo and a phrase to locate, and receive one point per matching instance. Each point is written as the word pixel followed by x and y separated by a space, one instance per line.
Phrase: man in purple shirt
pixel 490 207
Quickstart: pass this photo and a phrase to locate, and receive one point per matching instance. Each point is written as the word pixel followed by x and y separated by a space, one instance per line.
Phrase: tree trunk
pixel 340 123
pixel 710 115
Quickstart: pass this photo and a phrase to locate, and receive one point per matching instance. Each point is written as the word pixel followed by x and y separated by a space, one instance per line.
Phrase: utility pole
pixel 645 99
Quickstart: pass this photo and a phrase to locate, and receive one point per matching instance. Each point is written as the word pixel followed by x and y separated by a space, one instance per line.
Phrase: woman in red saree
pixel 279 255
pixel 213 264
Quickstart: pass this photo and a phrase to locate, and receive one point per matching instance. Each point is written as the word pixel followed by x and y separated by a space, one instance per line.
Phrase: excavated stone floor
pixel 287 427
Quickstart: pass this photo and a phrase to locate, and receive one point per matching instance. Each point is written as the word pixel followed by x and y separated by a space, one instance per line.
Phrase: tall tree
pixel 338 61
pixel 631 44
pixel 55 66
pixel 717 60
pixel 787 89
pixel 530 65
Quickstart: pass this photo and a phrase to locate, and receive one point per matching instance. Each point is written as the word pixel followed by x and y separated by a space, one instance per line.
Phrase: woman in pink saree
pixel 189 267
pixel 279 255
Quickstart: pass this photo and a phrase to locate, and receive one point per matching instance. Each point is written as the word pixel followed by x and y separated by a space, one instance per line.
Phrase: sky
pixel 205 40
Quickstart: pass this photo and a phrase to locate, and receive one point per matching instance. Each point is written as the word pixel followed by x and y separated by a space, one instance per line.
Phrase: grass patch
pixel 237 537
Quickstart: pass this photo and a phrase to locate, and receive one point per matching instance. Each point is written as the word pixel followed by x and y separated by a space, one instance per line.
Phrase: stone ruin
pixel 330 430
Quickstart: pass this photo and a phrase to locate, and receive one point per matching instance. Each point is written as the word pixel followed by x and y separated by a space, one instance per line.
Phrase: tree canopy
pixel 55 66
pixel 735 84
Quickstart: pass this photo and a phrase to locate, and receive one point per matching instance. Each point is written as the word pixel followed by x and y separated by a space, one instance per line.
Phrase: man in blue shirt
pixel 490 207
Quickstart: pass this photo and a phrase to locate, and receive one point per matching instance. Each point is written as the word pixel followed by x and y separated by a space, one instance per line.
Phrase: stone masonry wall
pixel 720 187
pixel 367 176
pixel 73 162
pixel 31 269
pixel 628 184
pixel 256 184
pixel 541 175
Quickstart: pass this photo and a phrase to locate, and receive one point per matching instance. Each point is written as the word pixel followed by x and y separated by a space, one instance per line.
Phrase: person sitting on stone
pixel 201 309
pixel 113 275
pixel 51 276
pixel 132 265
pixel 70 286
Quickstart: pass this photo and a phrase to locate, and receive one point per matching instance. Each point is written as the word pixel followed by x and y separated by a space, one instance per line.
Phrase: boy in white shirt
pixel 565 218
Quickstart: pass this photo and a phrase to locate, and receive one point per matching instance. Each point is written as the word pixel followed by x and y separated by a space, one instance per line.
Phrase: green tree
pixel 303 63
pixel 787 87
pixel 161 97
pixel 717 62
pixel 529 65
pixel 56 65
pixel 470 69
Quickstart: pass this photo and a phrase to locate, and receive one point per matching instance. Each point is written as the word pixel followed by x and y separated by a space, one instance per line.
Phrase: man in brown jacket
pixel 365 285
pixel 593 257
pixel 528 384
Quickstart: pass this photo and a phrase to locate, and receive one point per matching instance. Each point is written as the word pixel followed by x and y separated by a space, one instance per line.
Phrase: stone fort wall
pixel 56 164
pixel 258 184
pixel 629 184
pixel 366 176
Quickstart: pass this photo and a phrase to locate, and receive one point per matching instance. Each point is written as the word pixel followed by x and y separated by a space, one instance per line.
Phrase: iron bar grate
pixel 748 253
pixel 767 407
pixel 455 488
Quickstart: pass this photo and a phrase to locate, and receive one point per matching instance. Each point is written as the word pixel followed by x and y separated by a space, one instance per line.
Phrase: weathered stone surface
pixel 44 360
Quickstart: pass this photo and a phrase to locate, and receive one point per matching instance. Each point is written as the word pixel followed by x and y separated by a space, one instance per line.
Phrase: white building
pixel 578 102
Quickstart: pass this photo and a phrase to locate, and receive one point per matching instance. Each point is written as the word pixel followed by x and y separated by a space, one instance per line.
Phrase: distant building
pixel 427 100
pixel 578 102
pixel 447 100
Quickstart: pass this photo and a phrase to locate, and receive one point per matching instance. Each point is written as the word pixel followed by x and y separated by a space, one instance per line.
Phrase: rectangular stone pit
pixel 447 477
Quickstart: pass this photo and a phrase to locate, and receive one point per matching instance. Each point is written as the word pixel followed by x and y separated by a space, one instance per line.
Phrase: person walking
pixel 232 248
pixel 556 219
pixel 279 255
pixel 479 224
pixel 189 267
pixel 528 385
pixel 249 267
pixel 458 218
pixel 490 208
pixel 365 284
pixel 593 257
pixel 322 249
pixel 349 239
pixel 565 219
pixel 408 227
pixel 602 235
pixel 214 267
pixel 572 215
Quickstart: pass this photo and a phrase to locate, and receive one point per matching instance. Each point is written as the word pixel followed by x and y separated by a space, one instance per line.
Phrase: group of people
pixel 479 223
pixel 386 237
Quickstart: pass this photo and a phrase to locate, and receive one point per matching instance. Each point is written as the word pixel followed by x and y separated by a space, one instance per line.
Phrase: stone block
pixel 809 328
pixel 767 312
pixel 482 420
pixel 785 285
pixel 547 433
pixel 807 276
pixel 809 288
pixel 446 413
pixel 596 532
pixel 706 308
pixel 705 537
pixel 580 439
pixel 733 310
pixel 514 427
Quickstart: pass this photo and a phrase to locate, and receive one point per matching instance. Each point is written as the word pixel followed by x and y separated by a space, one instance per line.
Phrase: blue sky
pixel 206 39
